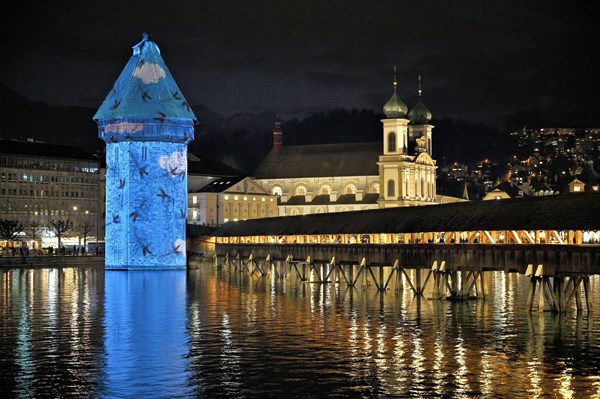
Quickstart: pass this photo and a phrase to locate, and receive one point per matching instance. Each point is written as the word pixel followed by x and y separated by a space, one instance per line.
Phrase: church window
pixel 276 190
pixel 325 189
pixel 350 189
pixel 392 142
pixel 391 188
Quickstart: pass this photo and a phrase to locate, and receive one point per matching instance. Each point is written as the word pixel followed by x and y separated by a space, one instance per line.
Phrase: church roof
pixel 321 160
pixel 145 89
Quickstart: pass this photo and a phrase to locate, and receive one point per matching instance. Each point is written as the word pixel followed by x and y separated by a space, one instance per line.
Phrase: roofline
pixel 559 212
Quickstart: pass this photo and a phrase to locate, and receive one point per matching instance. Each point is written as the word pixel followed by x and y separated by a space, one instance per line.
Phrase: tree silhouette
pixel 60 227
pixel 34 229
pixel 10 229
pixel 85 228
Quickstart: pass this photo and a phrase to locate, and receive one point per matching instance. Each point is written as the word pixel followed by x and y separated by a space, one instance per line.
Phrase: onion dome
pixel 419 115
pixel 395 107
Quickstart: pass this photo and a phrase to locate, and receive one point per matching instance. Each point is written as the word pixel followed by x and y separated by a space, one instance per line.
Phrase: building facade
pixel 356 176
pixel 41 182
pixel 230 199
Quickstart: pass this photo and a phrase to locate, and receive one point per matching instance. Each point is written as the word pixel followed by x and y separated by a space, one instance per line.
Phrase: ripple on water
pixel 223 334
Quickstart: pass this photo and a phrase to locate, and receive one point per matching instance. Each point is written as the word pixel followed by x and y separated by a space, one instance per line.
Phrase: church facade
pixel 356 176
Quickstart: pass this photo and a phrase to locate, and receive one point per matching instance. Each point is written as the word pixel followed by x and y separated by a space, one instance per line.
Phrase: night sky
pixel 479 60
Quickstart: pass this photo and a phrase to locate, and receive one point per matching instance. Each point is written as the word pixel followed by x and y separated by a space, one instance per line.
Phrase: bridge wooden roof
pixel 577 211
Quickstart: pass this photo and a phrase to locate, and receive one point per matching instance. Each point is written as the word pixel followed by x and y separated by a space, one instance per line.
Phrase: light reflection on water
pixel 84 332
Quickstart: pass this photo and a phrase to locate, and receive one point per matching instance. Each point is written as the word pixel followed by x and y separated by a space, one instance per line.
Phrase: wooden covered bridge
pixel 553 240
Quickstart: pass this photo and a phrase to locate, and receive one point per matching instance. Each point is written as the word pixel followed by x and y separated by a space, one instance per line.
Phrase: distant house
pixel 503 190
pixel 576 186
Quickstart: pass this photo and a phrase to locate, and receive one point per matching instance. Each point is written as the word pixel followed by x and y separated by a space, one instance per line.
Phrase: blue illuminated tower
pixel 146 124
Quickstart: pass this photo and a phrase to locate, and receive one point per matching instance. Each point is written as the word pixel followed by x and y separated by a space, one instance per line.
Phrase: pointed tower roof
pixel 145 89
pixel 395 107
pixel 419 115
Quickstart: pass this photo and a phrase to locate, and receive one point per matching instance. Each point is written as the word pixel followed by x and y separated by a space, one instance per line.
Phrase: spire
pixel 277 134
pixel 395 107
pixel 419 115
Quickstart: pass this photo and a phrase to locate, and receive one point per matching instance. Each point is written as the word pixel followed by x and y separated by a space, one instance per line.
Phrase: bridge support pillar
pixel 573 289
pixel 398 271
pixel 540 282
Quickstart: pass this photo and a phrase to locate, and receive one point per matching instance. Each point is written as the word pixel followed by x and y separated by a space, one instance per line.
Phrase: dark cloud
pixel 479 60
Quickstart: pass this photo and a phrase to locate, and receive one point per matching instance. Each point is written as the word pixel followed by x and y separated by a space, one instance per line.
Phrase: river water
pixel 218 333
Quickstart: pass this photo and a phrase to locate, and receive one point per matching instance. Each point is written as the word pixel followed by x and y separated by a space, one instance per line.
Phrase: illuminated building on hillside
pixel 146 124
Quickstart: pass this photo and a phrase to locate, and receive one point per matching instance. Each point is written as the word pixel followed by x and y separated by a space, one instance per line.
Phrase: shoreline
pixel 50 261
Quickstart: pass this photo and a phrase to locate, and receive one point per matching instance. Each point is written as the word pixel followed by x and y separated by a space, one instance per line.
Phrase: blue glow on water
pixel 146 342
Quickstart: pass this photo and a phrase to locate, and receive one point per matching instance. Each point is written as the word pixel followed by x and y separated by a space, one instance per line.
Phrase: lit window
pixel 263 199
pixel 245 198
pixel 235 198
pixel 350 189
pixel 225 220
pixel 194 199
pixel 194 214
pixel 226 197
pixel 276 190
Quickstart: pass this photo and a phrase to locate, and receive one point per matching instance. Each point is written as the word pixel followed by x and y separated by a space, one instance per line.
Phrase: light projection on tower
pixel 146 124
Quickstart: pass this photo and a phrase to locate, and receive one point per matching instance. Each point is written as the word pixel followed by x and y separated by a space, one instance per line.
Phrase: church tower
pixel 146 124
pixel 406 169
pixel 419 122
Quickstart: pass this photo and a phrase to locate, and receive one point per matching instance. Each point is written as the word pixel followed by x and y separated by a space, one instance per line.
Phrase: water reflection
pixel 145 335
pixel 213 333
pixel 51 332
